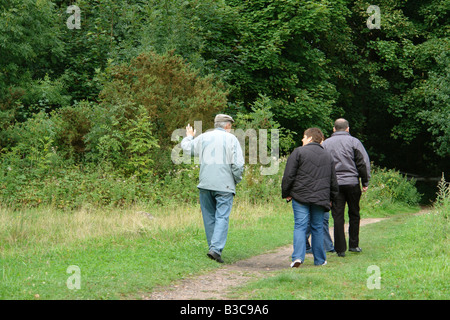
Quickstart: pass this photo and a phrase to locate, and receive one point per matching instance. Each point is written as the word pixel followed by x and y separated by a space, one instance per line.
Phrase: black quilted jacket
pixel 310 177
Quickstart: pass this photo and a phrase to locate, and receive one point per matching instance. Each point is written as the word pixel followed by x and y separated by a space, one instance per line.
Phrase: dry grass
pixel 22 230
pixel 47 226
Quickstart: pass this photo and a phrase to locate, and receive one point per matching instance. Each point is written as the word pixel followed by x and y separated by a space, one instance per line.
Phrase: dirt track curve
pixel 219 284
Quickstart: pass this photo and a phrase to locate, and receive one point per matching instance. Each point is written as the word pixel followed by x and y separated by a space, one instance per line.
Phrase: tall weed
pixel 439 217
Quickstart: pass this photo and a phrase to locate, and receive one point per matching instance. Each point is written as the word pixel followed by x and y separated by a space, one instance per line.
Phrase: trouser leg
pixel 224 203
pixel 338 211
pixel 327 242
pixel 208 207
pixel 317 235
pixel 353 196
pixel 301 222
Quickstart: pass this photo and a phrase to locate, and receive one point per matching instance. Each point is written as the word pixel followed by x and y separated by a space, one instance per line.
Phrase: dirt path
pixel 219 284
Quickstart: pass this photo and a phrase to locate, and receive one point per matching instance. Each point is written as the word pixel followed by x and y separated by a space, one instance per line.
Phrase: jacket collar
pixel 341 133
pixel 314 144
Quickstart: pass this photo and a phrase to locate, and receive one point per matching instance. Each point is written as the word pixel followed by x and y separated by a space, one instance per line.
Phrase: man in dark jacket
pixel 352 164
pixel 309 180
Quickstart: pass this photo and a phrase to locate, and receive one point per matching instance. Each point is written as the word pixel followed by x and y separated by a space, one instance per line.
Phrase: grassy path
pixel 153 252
pixel 405 257
pixel 221 283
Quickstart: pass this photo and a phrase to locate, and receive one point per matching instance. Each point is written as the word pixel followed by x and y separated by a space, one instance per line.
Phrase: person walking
pixel 221 168
pixel 310 181
pixel 352 165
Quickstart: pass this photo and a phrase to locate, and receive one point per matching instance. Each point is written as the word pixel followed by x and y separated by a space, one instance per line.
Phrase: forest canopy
pixel 112 90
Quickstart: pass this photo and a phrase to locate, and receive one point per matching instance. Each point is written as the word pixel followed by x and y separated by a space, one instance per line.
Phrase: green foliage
pixel 119 143
pixel 404 82
pixel 105 99
pixel 387 187
pixel 26 53
pixel 437 222
pixel 71 126
pixel 35 146
pixel 256 188
pixel 162 84
pixel 201 31
pixel 88 50
pixel 29 56
pixel 442 202
pixel 140 142
pixel 262 117
pixel 282 58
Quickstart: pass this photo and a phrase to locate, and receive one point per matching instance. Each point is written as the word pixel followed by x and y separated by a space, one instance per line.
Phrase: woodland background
pixel 86 115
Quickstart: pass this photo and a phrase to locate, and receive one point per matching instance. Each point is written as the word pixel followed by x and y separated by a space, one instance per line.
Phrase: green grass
pixel 412 257
pixel 123 253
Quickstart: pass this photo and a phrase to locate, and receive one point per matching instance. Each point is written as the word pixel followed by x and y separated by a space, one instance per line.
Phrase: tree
pixel 27 57
pixel 170 92
pixel 402 91
pixel 285 55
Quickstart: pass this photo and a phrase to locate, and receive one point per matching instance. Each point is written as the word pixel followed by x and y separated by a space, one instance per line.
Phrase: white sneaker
pixel 296 263
pixel 324 264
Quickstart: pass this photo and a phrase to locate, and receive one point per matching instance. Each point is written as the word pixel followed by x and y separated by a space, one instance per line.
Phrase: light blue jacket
pixel 221 159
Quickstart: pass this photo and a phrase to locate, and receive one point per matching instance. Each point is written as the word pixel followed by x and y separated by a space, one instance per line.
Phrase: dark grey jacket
pixel 350 157
pixel 309 176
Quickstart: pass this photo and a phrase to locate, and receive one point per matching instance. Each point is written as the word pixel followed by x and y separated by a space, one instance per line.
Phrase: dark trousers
pixel 350 194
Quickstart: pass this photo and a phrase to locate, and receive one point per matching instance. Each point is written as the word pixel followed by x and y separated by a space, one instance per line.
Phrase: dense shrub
pixel 170 91
pixel 77 186
pixel 388 186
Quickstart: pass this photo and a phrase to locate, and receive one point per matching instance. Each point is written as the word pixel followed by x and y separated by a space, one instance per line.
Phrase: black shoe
pixel 215 256
pixel 357 249
pixel 341 254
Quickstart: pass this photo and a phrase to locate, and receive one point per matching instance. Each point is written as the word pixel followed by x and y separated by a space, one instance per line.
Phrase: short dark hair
pixel 341 124
pixel 315 133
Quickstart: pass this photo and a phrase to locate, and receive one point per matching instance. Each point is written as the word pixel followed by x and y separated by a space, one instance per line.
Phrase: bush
pixel 258 188
pixel 388 186
pixel 116 152
pixel 170 91
pixel 34 144
pixel 72 124
pixel 262 117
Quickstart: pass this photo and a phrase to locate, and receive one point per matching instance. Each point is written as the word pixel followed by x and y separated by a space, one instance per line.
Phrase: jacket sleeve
pixel 237 166
pixel 334 186
pixel 289 173
pixel 362 163
pixel 191 145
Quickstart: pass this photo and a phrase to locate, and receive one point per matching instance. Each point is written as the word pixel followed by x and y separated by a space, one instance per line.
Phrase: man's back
pixel 350 157
pixel 221 160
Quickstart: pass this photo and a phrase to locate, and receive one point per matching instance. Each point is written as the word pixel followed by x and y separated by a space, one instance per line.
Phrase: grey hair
pixel 221 124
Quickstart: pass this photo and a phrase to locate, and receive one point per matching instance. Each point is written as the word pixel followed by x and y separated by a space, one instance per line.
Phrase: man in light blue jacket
pixel 221 168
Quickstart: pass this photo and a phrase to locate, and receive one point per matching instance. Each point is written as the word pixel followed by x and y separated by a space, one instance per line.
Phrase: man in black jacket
pixel 310 181
pixel 352 164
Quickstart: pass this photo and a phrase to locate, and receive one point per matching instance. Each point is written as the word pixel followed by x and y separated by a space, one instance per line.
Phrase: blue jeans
pixel 216 209
pixel 308 215
pixel 327 242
